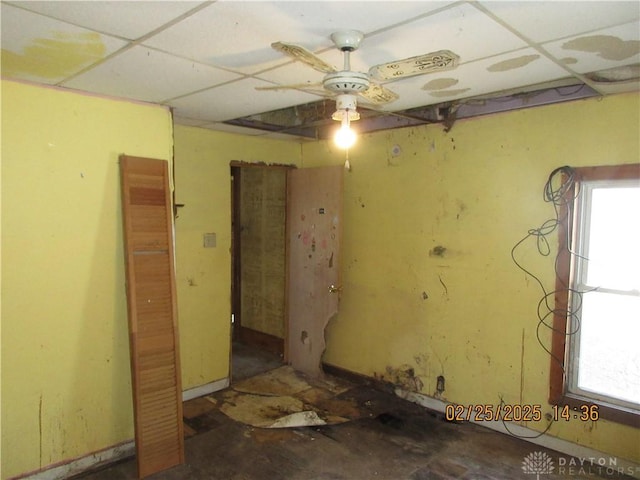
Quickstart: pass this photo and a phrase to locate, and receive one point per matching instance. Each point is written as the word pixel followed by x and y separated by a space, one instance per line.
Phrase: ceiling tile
pixel 524 67
pixel 202 52
pixel 454 28
pixel 295 73
pixel 544 21
pixel 600 49
pixel 235 35
pixel 125 19
pixel 462 29
pixel 149 75
pixel 44 50
pixel 237 99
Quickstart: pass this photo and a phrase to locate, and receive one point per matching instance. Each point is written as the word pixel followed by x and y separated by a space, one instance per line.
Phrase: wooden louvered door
pixel 153 329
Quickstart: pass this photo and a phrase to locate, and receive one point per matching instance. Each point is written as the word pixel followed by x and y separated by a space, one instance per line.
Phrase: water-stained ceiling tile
pixel 605 46
pixel 55 57
pixel 449 93
pixel 440 84
pixel 513 63
pixel 569 60
pixel 617 74
pixel 41 49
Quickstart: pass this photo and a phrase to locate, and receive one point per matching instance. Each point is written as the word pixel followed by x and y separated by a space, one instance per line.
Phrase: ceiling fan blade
pixel 421 64
pixel 300 53
pixel 378 94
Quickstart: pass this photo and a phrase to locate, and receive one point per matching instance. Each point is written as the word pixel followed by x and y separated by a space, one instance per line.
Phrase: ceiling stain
pixel 569 60
pixel 51 58
pixel 440 84
pixel 449 93
pixel 513 63
pixel 623 73
pixel 606 46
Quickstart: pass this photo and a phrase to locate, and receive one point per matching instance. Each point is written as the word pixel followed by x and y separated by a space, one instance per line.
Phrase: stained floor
pixel 379 436
pixel 249 361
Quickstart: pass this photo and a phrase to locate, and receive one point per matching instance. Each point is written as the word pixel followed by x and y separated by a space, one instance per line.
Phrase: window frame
pixel 569 216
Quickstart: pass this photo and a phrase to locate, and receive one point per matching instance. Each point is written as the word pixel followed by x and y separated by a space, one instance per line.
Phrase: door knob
pixel 334 289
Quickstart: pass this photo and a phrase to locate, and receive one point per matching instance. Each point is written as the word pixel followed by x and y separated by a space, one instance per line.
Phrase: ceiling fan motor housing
pixel 346 82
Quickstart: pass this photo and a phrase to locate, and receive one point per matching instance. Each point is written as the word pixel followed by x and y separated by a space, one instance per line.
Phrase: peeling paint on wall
pixel 606 46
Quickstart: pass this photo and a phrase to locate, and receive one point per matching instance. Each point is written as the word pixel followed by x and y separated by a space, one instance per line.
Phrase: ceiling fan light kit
pixel 346 105
pixel 346 84
pixel 345 137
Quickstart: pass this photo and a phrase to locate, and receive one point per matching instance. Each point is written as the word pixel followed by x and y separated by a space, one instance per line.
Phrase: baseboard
pixel 111 454
pixel 593 459
pixel 353 377
pixel 82 464
pixel 205 389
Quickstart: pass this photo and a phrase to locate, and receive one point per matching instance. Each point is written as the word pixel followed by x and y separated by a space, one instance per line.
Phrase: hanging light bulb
pixel 346 113
pixel 345 137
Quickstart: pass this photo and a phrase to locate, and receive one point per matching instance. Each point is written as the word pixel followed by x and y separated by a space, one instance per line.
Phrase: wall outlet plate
pixel 209 240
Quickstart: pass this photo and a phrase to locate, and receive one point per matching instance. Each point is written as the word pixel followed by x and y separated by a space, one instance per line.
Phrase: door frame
pixel 235 171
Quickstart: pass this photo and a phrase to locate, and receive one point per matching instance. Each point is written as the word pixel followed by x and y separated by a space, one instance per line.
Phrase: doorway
pixel 286 225
pixel 258 258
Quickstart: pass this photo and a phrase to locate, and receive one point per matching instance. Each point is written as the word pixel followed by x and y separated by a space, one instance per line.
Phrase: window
pixel 596 353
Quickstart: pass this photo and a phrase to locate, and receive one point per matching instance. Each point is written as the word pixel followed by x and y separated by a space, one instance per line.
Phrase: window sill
pixel 607 411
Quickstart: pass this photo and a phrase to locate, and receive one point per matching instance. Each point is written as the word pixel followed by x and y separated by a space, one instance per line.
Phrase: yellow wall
pixel 66 387
pixel 474 191
pixel 65 378
pixel 203 277
pixel 468 314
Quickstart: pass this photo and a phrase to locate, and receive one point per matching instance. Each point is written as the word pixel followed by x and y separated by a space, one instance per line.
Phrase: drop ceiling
pixel 205 60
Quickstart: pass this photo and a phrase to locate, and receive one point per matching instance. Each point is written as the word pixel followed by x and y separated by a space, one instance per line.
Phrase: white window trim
pixel 578 279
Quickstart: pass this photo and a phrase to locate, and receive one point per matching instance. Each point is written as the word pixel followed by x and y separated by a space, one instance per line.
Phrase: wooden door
pixel 314 226
pixel 152 310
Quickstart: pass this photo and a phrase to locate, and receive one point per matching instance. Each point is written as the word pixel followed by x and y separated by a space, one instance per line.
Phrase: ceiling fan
pixel 351 83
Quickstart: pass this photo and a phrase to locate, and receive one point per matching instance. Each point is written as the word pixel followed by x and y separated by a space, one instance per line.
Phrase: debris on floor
pixel 386 438
pixel 284 398
pixel 281 381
